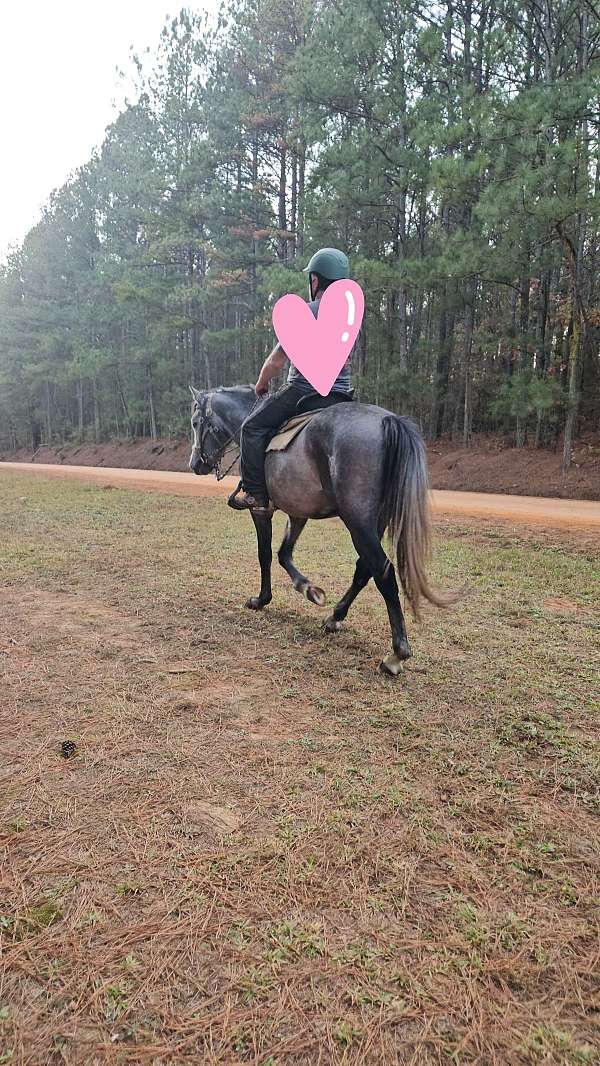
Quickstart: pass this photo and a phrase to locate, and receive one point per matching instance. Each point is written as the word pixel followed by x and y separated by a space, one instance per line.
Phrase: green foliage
pixel 449 151
pixel 525 394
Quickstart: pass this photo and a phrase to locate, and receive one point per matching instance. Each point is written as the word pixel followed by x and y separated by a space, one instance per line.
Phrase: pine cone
pixel 68 749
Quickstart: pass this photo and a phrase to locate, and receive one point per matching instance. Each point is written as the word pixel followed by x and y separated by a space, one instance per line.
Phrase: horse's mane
pixel 231 388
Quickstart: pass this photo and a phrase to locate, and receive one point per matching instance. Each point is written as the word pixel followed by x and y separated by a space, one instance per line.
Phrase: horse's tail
pixel 405 509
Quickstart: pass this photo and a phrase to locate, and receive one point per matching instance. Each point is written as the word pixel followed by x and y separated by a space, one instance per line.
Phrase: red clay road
pixel 551 513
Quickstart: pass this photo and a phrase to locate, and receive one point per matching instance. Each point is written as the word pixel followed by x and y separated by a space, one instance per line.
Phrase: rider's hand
pixel 260 389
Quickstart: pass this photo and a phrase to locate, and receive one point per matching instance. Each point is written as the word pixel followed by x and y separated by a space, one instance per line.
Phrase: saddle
pixel 309 406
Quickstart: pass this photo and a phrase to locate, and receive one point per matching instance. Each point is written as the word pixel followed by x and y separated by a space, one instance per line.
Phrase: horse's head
pixel 217 415
pixel 205 443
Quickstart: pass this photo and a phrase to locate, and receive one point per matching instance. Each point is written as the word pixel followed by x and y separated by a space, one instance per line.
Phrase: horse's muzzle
pixel 196 465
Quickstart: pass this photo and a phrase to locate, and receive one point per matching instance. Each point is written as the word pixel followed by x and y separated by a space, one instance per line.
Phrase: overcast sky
pixel 59 88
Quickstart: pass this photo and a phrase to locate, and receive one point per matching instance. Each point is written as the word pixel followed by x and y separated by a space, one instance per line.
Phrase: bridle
pixel 207 426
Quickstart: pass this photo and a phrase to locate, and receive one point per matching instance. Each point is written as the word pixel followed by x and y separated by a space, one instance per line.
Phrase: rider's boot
pixel 249 502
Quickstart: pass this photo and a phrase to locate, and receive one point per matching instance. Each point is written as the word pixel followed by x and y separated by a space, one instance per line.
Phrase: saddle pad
pixel 289 431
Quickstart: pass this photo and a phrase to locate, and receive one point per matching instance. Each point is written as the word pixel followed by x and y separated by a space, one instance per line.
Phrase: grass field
pixel 262 851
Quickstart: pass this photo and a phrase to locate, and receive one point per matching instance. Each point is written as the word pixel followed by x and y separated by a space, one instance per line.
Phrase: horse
pixel 356 461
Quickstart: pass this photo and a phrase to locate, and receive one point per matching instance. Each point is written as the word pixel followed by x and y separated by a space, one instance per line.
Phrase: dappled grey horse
pixel 354 460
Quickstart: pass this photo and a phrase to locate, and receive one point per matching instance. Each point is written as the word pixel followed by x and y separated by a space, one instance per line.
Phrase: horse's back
pixel 339 451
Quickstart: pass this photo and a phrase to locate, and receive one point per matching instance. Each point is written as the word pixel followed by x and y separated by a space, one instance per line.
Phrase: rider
pixel 326 266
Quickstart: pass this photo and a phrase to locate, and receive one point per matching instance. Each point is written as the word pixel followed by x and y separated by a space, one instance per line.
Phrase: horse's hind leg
pixel 361 578
pixel 376 562
pixel 300 582
pixel 264 533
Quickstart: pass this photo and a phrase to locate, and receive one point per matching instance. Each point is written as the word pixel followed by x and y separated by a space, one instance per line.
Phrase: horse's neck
pixel 234 407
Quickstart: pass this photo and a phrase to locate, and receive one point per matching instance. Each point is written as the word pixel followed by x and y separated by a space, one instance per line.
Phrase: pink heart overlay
pixel 319 347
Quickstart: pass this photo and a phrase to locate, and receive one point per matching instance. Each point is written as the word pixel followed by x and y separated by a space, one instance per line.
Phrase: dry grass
pixel 262 851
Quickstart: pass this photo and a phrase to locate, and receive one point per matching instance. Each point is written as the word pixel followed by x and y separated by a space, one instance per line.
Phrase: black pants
pixel 258 429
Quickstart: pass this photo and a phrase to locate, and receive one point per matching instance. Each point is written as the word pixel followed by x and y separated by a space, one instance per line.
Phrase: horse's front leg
pixel 285 555
pixel 264 533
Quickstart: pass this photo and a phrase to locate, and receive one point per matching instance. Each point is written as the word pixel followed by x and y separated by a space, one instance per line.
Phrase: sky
pixel 59 90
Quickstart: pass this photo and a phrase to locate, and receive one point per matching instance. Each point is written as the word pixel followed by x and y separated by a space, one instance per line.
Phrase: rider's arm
pixel 271 366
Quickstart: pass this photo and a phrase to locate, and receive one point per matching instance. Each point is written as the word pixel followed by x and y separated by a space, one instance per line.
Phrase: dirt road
pixel 550 513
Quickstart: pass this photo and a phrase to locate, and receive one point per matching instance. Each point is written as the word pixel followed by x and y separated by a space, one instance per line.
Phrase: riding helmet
pixel 330 263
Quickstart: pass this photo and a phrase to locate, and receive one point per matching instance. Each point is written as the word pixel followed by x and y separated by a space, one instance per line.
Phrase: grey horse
pixel 353 460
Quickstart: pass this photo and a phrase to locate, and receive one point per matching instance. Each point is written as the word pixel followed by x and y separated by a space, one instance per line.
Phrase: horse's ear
pixel 195 393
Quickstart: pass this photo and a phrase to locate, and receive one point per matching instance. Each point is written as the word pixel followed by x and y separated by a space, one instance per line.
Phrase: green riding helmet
pixel 330 263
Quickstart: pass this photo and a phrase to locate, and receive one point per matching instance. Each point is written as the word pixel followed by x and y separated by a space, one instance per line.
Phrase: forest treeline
pixel 450 148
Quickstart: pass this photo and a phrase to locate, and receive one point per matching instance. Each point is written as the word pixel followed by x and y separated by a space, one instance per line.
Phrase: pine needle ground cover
pixel 226 839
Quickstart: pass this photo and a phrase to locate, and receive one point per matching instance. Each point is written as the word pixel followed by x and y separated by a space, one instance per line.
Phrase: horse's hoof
pixel 256 604
pixel 331 625
pixel 316 595
pixel 392 665
pixel 312 592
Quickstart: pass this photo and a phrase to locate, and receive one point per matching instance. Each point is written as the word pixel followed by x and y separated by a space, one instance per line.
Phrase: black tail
pixel 405 509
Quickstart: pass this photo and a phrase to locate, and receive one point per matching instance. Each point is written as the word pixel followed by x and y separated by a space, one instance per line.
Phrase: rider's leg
pixel 255 434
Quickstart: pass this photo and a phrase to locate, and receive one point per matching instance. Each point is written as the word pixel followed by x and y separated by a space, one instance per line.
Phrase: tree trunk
pixel 510 358
pixel 48 414
pixel 294 203
pixel 470 297
pixel 123 402
pixel 207 375
pixel 97 428
pixel 301 193
pixel 524 321
pixel 573 406
pixel 415 325
pixel 151 410
pixel 282 243
pixel 575 260
pixel 442 369
pixel 80 407
pixel 34 427
pixel 520 432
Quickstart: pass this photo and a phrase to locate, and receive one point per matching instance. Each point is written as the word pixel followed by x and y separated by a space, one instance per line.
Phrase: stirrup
pixel 243 505
pixel 232 496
